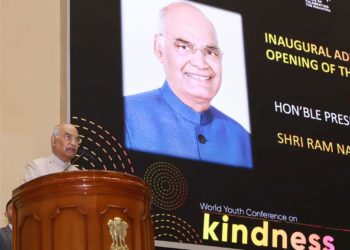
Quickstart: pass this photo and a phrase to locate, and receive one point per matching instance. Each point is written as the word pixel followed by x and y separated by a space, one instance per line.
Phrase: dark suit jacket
pixel 6 238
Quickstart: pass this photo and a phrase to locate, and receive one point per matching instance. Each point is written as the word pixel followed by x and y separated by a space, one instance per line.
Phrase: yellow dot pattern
pixel 168 185
pixel 169 226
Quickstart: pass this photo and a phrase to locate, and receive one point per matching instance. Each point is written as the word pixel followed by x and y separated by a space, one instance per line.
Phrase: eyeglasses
pixel 186 48
pixel 70 138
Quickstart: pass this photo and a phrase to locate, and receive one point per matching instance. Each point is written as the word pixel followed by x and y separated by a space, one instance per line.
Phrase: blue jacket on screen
pixel 159 122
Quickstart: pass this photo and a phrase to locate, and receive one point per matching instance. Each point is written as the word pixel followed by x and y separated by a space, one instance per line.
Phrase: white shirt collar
pixel 58 161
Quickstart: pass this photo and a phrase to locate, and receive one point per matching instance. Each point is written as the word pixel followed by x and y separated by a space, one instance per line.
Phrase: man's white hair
pixel 56 130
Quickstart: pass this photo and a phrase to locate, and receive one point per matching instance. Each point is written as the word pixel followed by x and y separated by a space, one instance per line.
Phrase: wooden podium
pixel 83 210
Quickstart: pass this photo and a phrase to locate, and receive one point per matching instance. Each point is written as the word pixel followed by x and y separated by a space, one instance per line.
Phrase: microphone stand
pixel 75 160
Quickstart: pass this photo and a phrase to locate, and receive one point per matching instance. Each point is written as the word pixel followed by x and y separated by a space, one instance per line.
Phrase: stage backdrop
pixel 286 80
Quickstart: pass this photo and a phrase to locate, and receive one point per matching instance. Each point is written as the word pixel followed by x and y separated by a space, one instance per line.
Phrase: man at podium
pixel 65 142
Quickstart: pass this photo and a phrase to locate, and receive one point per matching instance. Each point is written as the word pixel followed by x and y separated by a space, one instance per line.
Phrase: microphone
pixel 83 152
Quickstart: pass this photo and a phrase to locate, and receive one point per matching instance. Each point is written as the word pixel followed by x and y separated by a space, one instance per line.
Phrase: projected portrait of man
pixel 178 119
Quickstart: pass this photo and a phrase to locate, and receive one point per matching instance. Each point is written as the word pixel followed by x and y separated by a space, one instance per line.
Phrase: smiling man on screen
pixel 178 119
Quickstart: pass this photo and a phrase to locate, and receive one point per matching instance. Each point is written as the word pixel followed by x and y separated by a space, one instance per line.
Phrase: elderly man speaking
pixel 65 142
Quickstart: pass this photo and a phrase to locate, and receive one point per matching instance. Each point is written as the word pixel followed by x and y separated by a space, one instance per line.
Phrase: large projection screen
pixel 285 81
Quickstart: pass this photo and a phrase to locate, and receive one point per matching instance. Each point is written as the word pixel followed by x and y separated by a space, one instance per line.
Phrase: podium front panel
pixel 83 210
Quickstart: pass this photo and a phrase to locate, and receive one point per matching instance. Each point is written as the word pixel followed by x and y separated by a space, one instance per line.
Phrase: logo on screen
pixel 322 5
